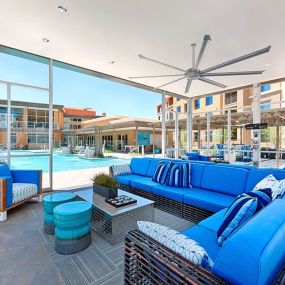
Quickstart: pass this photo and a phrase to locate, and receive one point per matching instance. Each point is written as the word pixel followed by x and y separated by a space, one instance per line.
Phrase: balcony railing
pixel 28 125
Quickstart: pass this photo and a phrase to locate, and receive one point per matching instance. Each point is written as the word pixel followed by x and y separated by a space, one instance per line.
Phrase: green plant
pixel 105 181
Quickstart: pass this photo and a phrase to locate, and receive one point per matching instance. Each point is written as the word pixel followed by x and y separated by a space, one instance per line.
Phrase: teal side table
pixel 72 226
pixel 49 203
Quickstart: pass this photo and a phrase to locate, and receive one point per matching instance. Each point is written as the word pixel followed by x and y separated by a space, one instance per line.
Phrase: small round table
pixel 49 203
pixel 72 226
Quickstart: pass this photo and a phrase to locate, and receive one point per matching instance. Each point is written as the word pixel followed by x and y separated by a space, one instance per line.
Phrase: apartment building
pixel 30 124
pixel 238 101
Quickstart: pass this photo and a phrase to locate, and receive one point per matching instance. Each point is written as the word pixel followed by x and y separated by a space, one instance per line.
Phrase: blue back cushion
pixel 228 180
pixel 5 170
pixel 255 176
pixel 152 166
pixel 196 174
pixel 140 166
pixel 256 252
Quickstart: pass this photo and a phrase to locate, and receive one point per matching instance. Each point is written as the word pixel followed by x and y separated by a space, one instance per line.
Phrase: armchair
pixel 18 187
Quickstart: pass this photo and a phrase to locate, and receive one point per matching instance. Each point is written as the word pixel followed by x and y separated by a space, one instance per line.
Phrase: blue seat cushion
pixel 126 179
pixel 152 166
pixel 227 180
pixel 208 200
pixel 140 166
pixel 255 176
pixel 214 222
pixel 256 252
pixel 205 238
pixel 174 193
pixel 144 183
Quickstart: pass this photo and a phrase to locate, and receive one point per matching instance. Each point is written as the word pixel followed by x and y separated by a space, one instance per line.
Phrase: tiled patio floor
pixel 28 256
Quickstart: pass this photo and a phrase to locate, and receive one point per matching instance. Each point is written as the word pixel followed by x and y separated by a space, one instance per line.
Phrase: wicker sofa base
pixel 169 206
pixel 195 214
pixel 148 263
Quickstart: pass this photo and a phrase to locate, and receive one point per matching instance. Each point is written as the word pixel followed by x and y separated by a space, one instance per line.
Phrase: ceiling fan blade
pixel 161 63
pixel 232 73
pixel 202 50
pixel 212 82
pixel 170 82
pixel 154 76
pixel 238 59
pixel 188 85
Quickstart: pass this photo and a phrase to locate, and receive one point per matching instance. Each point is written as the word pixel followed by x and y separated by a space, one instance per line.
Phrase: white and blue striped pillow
pixel 162 171
pixel 177 242
pixel 241 210
pixel 180 175
pixel 269 182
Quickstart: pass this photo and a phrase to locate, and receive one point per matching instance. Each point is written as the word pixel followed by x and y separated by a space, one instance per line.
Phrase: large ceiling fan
pixel 194 73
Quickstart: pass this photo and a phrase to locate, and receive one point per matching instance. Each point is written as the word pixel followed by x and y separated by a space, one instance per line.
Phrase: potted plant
pixel 105 186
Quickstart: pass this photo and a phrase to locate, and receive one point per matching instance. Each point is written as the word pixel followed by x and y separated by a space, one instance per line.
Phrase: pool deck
pixel 71 179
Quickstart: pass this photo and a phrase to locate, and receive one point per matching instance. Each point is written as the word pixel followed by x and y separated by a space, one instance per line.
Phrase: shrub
pixel 105 181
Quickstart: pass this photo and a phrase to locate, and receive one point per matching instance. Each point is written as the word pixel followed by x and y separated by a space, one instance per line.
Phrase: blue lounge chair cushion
pixel 206 238
pixel 140 166
pixel 214 222
pixel 227 180
pixel 208 200
pixel 255 176
pixel 126 179
pixel 174 193
pixel 256 252
pixel 145 184
pixel 193 155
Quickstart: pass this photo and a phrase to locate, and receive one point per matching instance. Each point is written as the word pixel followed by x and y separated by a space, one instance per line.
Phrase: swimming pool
pixel 63 162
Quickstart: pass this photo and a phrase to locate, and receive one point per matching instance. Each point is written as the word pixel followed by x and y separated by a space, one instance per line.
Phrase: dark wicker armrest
pixel 149 262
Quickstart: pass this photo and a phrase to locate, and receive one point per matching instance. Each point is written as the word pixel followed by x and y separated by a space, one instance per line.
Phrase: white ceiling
pixel 94 32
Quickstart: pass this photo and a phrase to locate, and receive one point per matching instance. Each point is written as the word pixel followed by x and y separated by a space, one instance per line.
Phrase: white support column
pixel 229 142
pixel 9 124
pixel 256 117
pixel 163 128
pixel 51 123
pixel 189 124
pixel 208 131
pixel 176 134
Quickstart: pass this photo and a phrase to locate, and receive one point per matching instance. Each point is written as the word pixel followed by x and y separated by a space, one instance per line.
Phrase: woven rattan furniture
pixel 49 203
pixel 112 223
pixel 72 227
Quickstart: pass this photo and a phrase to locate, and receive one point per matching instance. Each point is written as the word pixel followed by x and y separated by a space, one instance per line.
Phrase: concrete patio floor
pixel 28 256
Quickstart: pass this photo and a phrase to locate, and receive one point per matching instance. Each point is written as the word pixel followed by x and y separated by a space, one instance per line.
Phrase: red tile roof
pixel 76 112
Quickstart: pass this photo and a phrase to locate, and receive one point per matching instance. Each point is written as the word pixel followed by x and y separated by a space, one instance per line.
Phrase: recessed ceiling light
pixel 111 62
pixel 61 9
pixel 45 40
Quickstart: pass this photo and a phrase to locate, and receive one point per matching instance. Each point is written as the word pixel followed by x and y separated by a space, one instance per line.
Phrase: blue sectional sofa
pixel 18 187
pixel 214 186
pixel 253 255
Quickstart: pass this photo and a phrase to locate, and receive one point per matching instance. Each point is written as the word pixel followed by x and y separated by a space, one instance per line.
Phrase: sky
pixel 76 89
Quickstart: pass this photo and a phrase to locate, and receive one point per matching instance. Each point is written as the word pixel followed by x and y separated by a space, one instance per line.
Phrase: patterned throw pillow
pixel 121 169
pixel 282 187
pixel 180 175
pixel 264 197
pixel 269 182
pixel 177 242
pixel 241 210
pixel 161 172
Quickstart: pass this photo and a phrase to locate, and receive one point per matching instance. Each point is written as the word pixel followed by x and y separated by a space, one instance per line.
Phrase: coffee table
pixel 112 223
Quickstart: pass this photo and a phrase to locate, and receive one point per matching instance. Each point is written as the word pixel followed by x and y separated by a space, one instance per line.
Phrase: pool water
pixel 63 162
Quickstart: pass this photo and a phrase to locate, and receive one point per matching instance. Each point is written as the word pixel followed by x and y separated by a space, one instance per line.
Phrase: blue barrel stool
pixel 72 226
pixel 49 203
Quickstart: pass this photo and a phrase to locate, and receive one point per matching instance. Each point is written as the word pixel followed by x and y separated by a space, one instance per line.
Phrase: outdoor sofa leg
pixel 40 198
pixel 3 216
